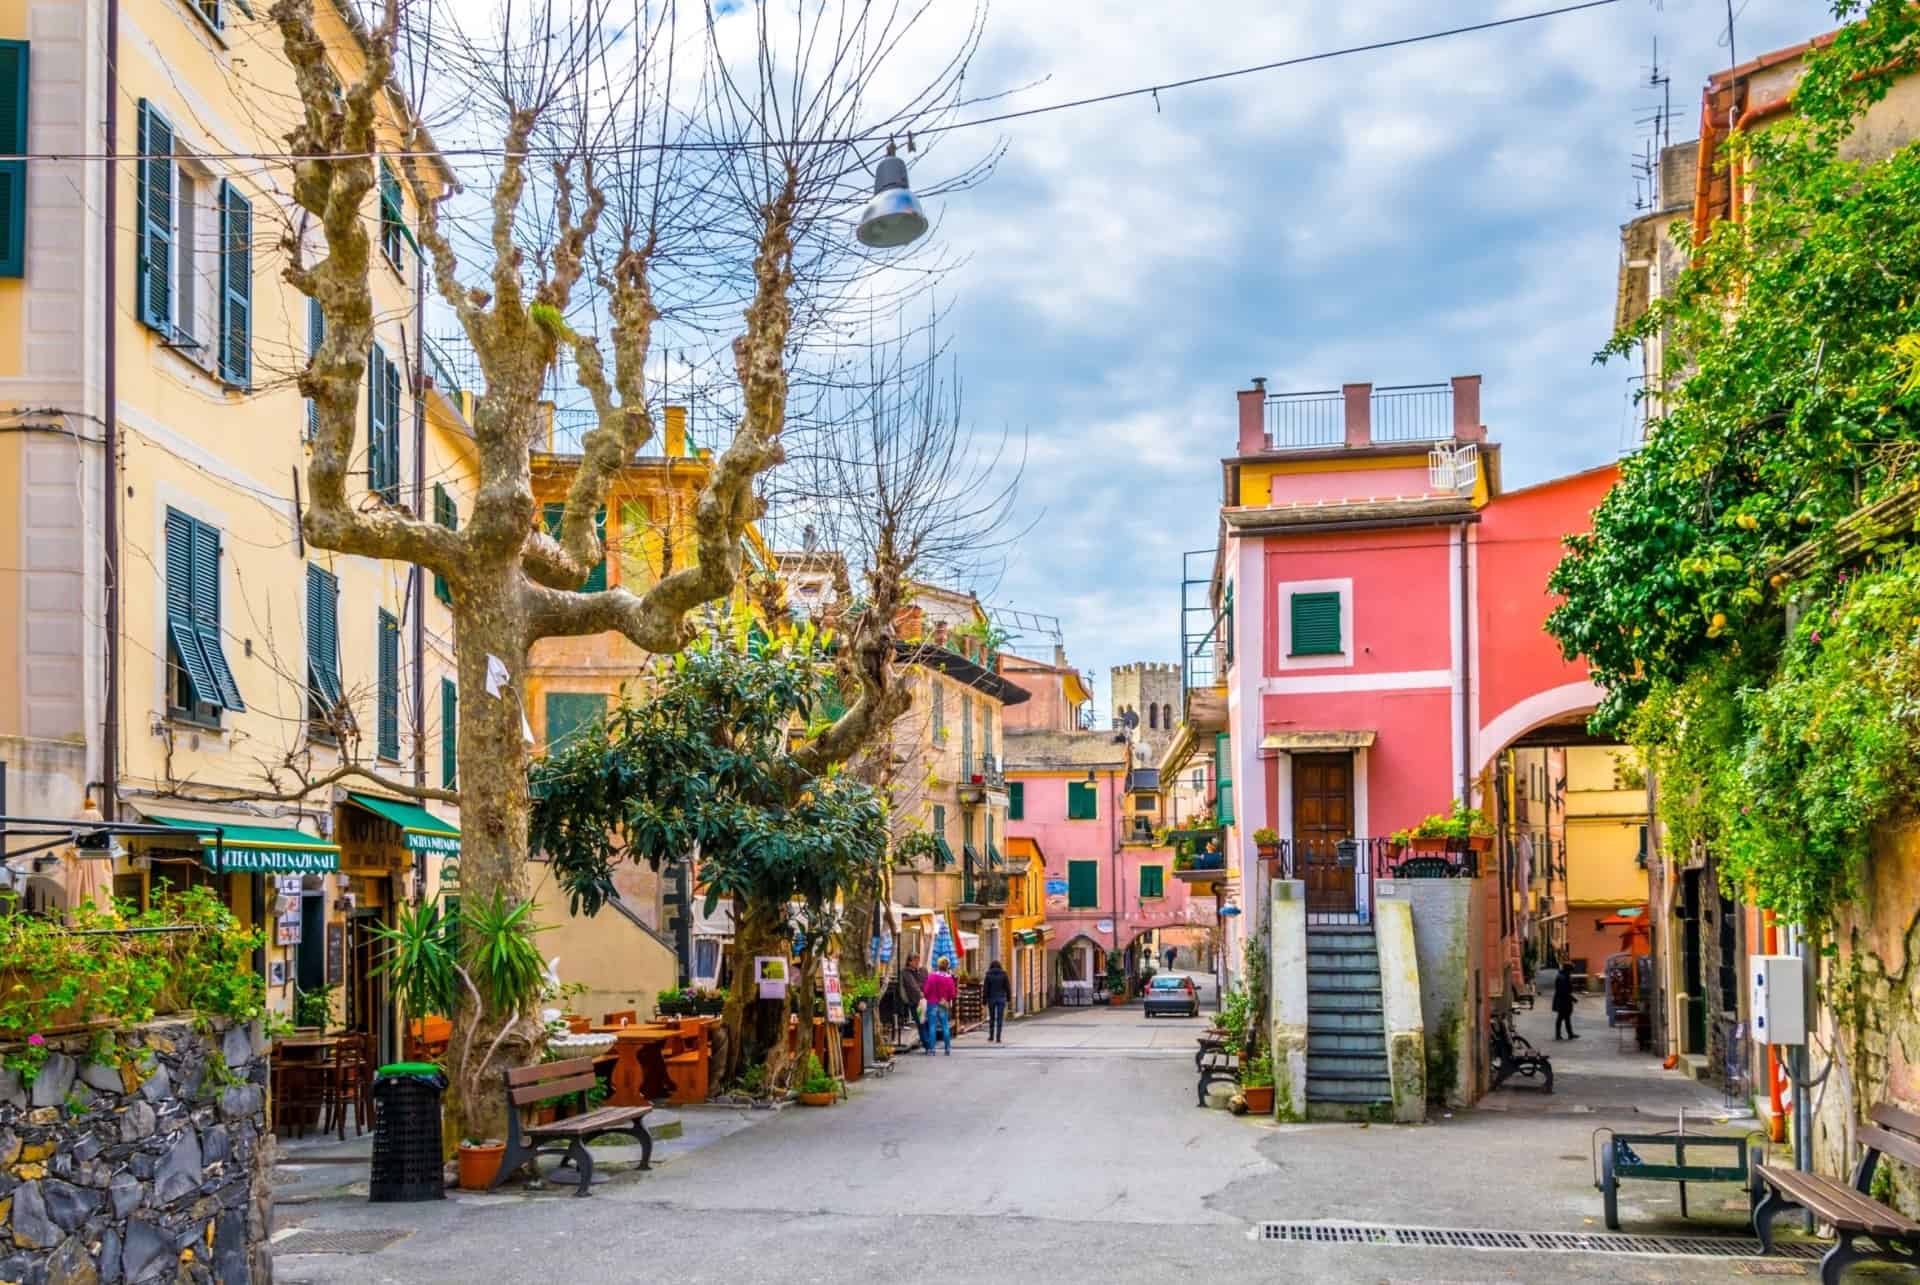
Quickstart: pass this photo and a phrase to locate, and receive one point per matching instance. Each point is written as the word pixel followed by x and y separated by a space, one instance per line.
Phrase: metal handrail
pixel 1305 421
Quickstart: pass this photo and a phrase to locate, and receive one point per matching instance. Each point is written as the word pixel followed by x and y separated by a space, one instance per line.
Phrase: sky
pixel 1393 217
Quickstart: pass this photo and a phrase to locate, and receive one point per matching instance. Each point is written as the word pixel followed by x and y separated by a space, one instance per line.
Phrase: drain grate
pixel 1548 1242
pixel 321 1240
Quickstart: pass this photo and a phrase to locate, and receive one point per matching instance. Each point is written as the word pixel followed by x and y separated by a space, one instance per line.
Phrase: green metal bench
pixel 1618 1158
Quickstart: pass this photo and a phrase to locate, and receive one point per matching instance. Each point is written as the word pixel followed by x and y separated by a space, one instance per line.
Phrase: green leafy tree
pixel 709 763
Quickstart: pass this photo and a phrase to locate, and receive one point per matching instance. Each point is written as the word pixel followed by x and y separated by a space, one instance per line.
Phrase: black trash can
pixel 408 1163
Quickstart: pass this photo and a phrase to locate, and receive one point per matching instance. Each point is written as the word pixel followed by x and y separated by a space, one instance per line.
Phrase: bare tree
pixel 631 186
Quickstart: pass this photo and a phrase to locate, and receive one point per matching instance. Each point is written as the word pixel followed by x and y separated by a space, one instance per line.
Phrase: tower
pixel 1150 690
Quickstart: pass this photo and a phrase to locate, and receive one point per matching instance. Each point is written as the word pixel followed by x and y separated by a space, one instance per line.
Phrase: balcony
pixel 983 780
pixel 1356 416
pixel 984 888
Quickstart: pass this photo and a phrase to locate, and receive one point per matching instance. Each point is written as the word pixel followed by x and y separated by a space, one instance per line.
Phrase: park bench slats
pixel 1848 1207
pixel 528 1084
pixel 542 1090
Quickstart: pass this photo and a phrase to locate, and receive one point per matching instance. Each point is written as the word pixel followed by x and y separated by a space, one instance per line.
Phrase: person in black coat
pixel 1563 1002
pixel 997 990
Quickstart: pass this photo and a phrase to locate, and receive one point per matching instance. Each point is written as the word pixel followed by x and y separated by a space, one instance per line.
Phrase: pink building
pixel 1109 886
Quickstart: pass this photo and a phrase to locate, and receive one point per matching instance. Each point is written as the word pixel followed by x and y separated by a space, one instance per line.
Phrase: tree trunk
pixel 493 842
pixel 750 1037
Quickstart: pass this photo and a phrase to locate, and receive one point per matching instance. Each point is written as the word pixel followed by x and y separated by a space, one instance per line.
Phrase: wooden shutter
pixel 236 286
pixel 1316 624
pixel 1153 881
pixel 180 614
pixel 389 683
pixel 1083 801
pixel 568 712
pixel 206 614
pixel 13 174
pixel 596 578
pixel 447 513
pixel 153 236
pixel 383 441
pixel 449 734
pixel 323 636
pixel 1016 800
pixel 316 335
pixel 1223 778
pixel 392 217
pixel 392 377
pixel 1083 884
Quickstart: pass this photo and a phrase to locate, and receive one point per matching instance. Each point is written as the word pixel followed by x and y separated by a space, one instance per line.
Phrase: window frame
pixel 1092 792
pixel 1090 870
pixel 1313 601
pixel 1159 873
pixel 195 654
pixel 327 707
pixel 1016 800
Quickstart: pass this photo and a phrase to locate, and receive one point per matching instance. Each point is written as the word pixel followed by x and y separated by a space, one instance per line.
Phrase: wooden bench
pixel 1849 1207
pixel 530 1084
pixel 1215 1061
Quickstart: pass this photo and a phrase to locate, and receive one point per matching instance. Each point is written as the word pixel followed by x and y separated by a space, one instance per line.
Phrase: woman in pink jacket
pixel 940 993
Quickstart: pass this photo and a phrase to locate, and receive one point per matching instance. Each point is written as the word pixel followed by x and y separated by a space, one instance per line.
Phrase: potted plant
pixel 817 1088
pixel 1462 828
pixel 1256 1084
pixel 1267 842
pixel 480 1162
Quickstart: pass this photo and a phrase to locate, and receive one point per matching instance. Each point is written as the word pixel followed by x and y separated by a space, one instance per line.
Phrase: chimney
pixel 1253 417
pixel 1466 410
pixel 676 431
pixel 1359 413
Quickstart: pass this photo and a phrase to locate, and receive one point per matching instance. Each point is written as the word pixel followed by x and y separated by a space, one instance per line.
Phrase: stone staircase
pixel 1346 1029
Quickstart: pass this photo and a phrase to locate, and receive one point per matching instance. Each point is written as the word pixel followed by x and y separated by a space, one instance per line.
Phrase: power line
pixel 870 136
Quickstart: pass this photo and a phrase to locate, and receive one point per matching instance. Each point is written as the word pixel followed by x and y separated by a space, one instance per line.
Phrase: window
pixel 1153 881
pixel 1083 885
pixel 323 651
pixel 1199 781
pixel 449 734
pixel 200 684
pixel 236 287
pixel 638 545
pixel 1082 801
pixel 216 11
pixel 942 854
pixel 986 729
pixel 13 174
pixel 383 427
pixel 596 578
pixel 393 222
pixel 966 833
pixel 389 684
pixel 1166 717
pixel 1223 773
pixel 1143 802
pixel 1153 717
pixel 316 335
pixel 446 511
pixel 939 709
pixel 568 712
pixel 1016 800
pixel 154 221
pixel 1316 624
pixel 966 736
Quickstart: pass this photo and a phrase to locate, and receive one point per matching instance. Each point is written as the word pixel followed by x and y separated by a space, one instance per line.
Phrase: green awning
pixel 994 860
pixel 424 831
pixel 262 849
pixel 1028 936
pixel 943 855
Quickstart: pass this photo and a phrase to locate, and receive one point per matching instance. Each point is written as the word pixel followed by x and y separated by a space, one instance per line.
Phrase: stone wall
pixel 148 1162
pixel 1448 915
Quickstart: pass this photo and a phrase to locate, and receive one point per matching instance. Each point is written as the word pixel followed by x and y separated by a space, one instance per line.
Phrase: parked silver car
pixel 1172 993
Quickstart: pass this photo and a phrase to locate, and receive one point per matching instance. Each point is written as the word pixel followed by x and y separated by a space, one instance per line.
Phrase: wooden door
pixel 1322 816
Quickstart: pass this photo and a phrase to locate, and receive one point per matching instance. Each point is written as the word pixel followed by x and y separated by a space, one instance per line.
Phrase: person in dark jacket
pixel 913 981
pixel 997 991
pixel 1563 1002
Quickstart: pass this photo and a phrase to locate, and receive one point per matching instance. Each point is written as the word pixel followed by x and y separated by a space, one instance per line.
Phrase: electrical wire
pixel 869 136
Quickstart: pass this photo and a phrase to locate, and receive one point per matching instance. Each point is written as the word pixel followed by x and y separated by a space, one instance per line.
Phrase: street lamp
pixel 893 217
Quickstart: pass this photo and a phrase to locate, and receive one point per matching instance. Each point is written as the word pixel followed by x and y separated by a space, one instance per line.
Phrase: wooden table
pixel 640 1063
pixel 303 1058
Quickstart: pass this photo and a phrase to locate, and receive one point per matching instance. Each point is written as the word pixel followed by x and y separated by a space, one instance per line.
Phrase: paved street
pixel 1074 1149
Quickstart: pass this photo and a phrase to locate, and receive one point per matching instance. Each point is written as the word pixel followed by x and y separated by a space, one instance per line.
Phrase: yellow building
pixel 1027 926
pixel 180 641
pixel 1606 825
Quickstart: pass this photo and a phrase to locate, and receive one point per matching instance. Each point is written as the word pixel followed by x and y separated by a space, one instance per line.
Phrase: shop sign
pixel 274 860
pixel 830 981
pixel 770 972
pixel 447 845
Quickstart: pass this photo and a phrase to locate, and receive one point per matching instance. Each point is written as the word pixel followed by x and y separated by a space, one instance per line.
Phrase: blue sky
pixel 1397 217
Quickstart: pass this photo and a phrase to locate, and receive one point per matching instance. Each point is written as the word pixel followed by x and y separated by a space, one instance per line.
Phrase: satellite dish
pixel 1129 720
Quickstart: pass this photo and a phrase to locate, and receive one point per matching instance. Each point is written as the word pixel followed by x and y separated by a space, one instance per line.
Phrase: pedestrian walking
pixel 997 991
pixel 913 981
pixel 940 993
pixel 1563 1002
pixel 1171 951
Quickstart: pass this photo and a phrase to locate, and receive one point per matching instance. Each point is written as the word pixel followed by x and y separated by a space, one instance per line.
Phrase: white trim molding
pixel 1527 714
pixel 1283 592
pixel 1388 681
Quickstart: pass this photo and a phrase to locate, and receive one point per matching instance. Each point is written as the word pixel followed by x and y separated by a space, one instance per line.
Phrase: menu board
pixel 336 952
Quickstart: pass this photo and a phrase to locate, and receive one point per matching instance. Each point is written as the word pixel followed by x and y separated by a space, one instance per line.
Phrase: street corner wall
pixel 1402 1009
pixel 1287 981
pixel 622 965
pixel 153 1163
pixel 1869 1010
pixel 1446 948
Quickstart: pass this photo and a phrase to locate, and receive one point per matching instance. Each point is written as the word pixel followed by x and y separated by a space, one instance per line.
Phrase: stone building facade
pixel 1150 691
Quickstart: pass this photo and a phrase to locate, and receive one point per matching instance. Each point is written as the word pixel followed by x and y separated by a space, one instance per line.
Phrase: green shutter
pixel 1016 800
pixel 389 679
pixel 13 174
pixel 392 217
pixel 206 614
pixel 180 615
pixel 1083 801
pixel 236 286
pixel 568 712
pixel 447 513
pixel 153 235
pixel 1153 881
pixel 392 376
pixel 1223 777
pixel 383 426
pixel 449 734
pixel 316 335
pixel 1083 885
pixel 1316 624
pixel 323 636
pixel 597 578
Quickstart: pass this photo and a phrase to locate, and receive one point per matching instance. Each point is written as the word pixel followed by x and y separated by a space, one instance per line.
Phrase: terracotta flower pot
pixel 816 1099
pixel 1116 999
pixel 479 1163
pixel 1259 1100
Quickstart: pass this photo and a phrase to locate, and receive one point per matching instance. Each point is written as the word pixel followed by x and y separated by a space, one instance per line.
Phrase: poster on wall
pixel 770 972
pixel 830 982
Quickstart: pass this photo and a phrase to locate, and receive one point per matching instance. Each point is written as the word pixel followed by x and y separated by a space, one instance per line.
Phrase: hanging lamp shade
pixel 893 217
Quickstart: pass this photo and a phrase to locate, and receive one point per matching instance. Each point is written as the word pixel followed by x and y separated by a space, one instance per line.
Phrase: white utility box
pixel 1779 998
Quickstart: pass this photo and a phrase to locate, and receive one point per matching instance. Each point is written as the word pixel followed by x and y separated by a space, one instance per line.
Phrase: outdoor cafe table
pixel 640 1063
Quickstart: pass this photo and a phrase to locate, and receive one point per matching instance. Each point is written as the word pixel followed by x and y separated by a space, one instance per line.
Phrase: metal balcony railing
pixel 1322 418
pixel 1413 413
pixel 984 771
pixel 980 884
pixel 1306 421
